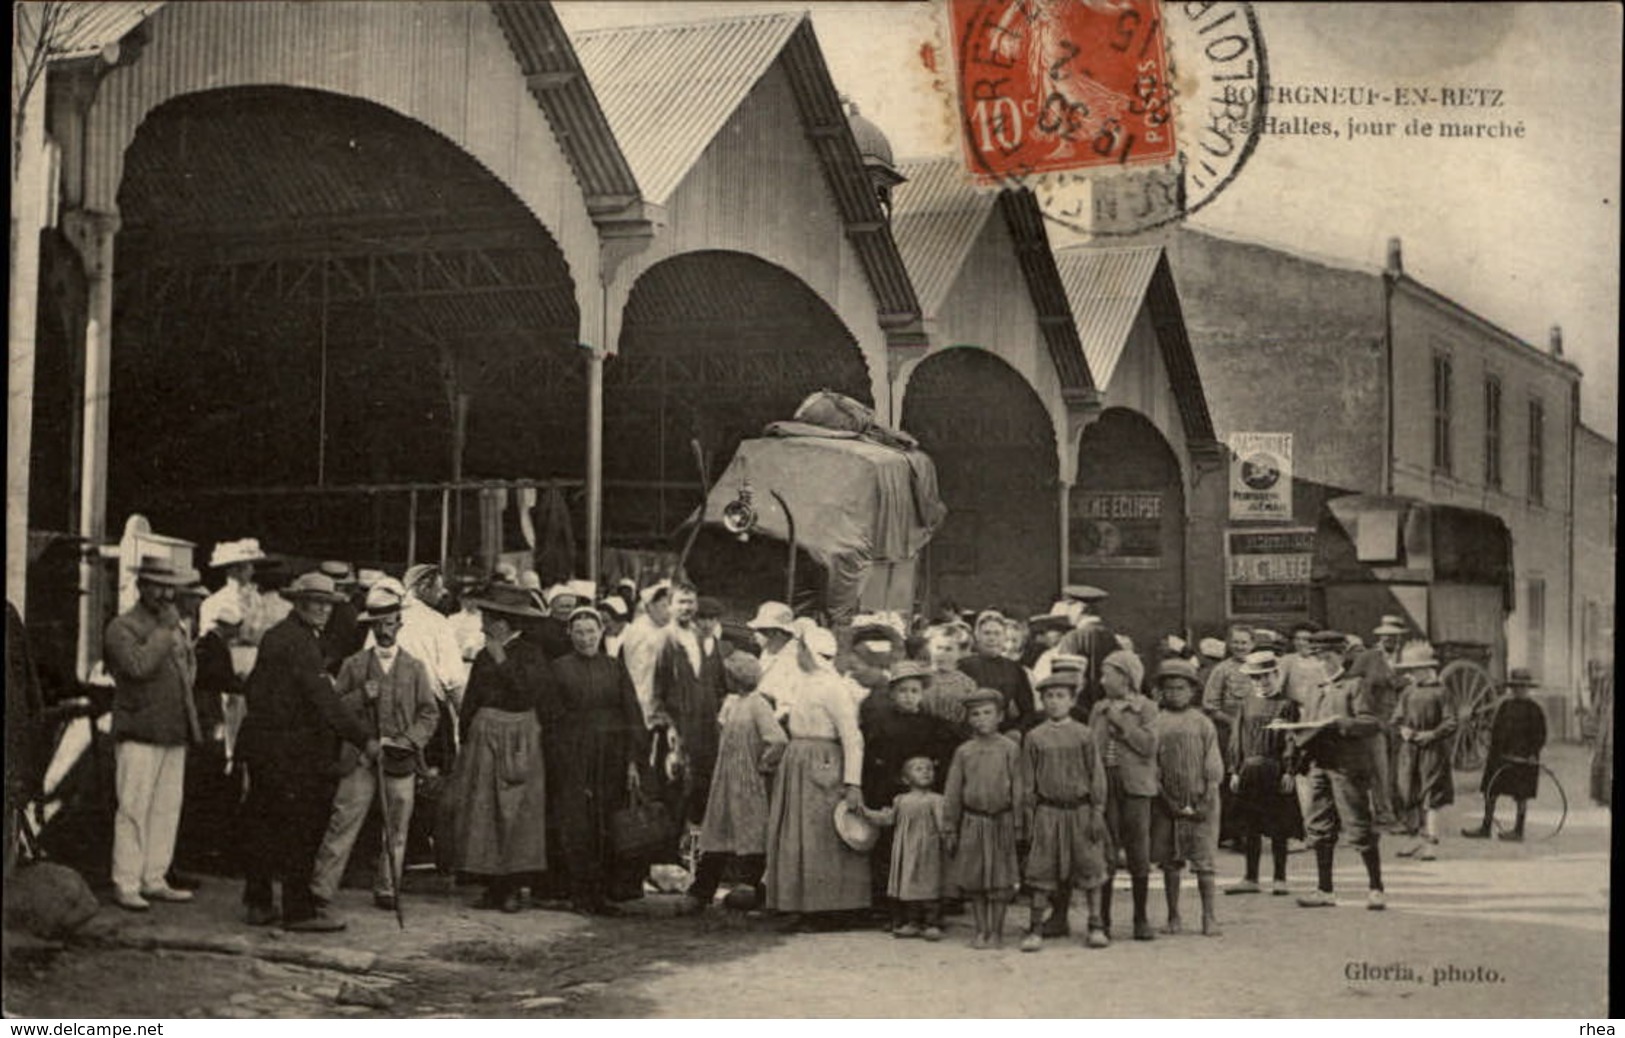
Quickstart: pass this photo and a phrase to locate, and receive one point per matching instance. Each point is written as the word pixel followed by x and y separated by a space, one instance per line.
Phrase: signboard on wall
pixel 1261 476
pixel 1116 529
pixel 1268 572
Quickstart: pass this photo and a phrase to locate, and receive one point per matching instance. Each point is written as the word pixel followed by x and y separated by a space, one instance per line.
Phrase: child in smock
pixel 919 819
pixel 984 809
pixel 1066 780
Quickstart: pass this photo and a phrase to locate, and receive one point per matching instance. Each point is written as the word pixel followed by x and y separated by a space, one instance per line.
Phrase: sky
pixel 1524 232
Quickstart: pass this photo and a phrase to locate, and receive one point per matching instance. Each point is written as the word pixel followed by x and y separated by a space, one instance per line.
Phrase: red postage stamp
pixel 1050 85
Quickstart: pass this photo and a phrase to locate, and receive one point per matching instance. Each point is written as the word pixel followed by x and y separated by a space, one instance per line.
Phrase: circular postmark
pixel 1120 115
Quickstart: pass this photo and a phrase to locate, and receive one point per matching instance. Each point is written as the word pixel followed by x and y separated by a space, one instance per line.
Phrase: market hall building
pixel 487 287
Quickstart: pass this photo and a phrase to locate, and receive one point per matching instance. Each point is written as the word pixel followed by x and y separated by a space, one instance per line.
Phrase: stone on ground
pixel 48 900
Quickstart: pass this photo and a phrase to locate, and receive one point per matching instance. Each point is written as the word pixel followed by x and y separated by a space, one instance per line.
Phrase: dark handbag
pixel 400 762
pixel 640 830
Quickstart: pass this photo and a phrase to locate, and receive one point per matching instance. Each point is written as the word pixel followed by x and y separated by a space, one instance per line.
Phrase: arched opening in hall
pixel 1126 518
pixel 314 291
pixel 714 346
pixel 994 448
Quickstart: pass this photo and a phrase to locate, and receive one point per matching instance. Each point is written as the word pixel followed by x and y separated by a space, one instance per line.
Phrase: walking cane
pixel 389 844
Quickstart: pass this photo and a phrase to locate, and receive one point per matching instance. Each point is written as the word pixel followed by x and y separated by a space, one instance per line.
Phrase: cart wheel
pixel 1472 696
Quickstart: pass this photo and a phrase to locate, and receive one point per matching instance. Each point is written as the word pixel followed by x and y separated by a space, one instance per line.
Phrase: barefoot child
pixel 915 888
pixel 1066 779
pixel 1185 821
pixel 984 807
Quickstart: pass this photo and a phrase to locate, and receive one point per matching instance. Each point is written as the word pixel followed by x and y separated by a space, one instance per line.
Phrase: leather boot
pixel 1056 925
pixel 1141 886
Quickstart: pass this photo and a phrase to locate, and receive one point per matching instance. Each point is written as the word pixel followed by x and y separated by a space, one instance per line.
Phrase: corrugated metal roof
pixel 937 214
pixel 667 90
pixel 85 28
pixel 1106 288
pixel 557 81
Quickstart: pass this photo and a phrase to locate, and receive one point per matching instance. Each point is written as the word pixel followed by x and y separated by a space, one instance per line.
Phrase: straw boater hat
pixel 856 831
pixel 773 616
pixel 910 669
pixel 231 553
pixel 339 571
pixel 1260 663
pixel 1064 662
pixel 1390 625
pixel 381 601
pixel 1084 592
pixel 313 586
pixel 154 570
pixel 1067 679
pixel 1416 656
pixel 508 599
pixel 1522 678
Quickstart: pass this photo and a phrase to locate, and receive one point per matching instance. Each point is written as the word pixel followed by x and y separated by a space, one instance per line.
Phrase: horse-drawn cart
pixel 1447 570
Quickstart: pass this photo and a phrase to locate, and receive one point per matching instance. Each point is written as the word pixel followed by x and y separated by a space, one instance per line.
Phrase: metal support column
pixel 92 233
pixel 595 459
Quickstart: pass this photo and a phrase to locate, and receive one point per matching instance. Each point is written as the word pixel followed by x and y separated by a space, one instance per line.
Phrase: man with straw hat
pixel 391 692
pixel 1376 667
pixel 289 741
pixel 153 667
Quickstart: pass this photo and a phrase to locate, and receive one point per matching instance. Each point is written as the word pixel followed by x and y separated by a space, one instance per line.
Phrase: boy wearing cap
pixel 1124 727
pixel 1512 766
pixel 1065 779
pixel 153 667
pixel 736 807
pixel 1185 818
pixel 391 693
pixel 1338 760
pixel 1423 724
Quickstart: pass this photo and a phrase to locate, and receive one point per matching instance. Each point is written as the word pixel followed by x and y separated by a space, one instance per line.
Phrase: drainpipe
pixel 1392 272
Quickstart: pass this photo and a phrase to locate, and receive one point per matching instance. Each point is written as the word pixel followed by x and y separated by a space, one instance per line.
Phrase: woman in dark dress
pixel 1512 767
pixel 593 736
pixel 499 787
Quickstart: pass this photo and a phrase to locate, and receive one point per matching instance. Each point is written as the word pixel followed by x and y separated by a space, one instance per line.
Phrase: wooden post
pixel 29 194
pixel 92 233
pixel 411 527
pixel 595 460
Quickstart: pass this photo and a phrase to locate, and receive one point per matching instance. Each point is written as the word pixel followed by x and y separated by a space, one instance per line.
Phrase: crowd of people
pixel 551 745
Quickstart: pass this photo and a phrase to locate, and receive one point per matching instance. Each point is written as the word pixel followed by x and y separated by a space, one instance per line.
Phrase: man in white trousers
pixel 150 658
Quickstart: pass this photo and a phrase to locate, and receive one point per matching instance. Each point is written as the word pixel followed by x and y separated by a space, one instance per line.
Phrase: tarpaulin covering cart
pixel 861 510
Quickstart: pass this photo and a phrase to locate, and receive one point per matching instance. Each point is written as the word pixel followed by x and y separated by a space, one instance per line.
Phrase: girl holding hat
pixel 809 868
pixel 986 804
pixel 1265 801
pixel 1424 725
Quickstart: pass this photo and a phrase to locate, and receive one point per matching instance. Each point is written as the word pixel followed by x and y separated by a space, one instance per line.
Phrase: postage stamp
pixel 1121 115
